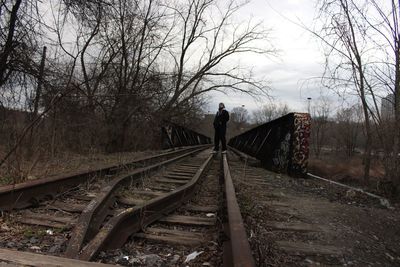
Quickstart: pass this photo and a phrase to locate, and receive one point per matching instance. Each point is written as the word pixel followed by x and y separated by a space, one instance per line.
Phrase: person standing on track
pixel 220 120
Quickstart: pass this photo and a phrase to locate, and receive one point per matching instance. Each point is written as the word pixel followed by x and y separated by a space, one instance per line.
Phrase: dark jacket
pixel 220 120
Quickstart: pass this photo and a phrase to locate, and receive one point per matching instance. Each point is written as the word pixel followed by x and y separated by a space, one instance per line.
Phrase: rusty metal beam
pixel 97 210
pixel 12 258
pixel 115 232
pixel 237 251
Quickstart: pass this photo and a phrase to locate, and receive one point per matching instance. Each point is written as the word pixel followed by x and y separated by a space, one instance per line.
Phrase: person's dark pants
pixel 220 136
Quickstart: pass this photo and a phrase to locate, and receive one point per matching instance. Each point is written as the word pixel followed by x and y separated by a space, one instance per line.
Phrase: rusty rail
pixel 237 251
pixel 24 194
pixel 9 258
pixel 116 231
pixel 93 216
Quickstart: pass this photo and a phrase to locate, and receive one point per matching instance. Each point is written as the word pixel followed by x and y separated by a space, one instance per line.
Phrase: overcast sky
pixel 293 73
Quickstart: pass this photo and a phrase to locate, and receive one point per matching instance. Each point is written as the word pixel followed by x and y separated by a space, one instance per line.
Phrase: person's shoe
pixel 223 152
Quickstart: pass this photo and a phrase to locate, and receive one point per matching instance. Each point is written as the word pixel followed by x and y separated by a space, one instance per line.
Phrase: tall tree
pixel 320 110
pixel 270 112
pixel 206 39
pixel 347 128
pixel 362 47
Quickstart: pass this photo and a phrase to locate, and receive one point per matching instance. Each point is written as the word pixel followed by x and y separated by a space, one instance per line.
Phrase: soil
pixel 306 222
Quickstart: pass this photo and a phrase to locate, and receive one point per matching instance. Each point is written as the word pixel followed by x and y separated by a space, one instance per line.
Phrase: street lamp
pixel 309 104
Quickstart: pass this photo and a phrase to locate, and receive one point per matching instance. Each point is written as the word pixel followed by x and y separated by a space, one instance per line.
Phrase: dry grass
pixel 349 170
pixel 19 170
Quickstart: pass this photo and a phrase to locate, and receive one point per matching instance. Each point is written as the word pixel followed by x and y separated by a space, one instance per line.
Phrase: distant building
pixel 387 107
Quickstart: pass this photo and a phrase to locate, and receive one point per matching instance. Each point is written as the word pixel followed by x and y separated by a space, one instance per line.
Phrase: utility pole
pixel 309 105
pixel 39 85
pixel 36 102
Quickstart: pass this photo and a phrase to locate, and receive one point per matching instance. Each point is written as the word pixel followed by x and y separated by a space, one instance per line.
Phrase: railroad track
pixel 31 193
pixel 182 203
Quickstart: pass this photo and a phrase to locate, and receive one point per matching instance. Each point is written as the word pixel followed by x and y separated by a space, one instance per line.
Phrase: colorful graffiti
pixel 302 130
pixel 281 159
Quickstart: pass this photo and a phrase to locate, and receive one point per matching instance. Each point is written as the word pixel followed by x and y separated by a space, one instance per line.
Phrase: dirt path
pixel 298 222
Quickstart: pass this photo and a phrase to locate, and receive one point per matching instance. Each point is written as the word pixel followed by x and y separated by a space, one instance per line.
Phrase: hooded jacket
pixel 221 118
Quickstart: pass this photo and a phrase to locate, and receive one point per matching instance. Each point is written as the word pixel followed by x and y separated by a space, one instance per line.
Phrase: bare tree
pixel 347 128
pixel 239 119
pixel 343 34
pixel 270 112
pixel 19 22
pixel 239 115
pixel 206 38
pixel 118 46
pixel 362 38
pixel 20 68
pixel 117 69
pixel 385 34
pixel 320 110
pixel 9 46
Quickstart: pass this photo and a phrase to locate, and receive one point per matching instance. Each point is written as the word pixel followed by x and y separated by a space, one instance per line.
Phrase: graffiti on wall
pixel 281 145
pixel 300 143
pixel 281 154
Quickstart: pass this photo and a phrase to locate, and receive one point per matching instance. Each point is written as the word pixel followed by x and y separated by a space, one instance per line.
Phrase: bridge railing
pixel 281 145
pixel 174 135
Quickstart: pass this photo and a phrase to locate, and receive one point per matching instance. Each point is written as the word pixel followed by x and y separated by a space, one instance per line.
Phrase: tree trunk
pixel 53 133
pixel 32 140
pixel 395 177
pixel 117 131
pixel 368 143
pixel 8 47
pixel 367 158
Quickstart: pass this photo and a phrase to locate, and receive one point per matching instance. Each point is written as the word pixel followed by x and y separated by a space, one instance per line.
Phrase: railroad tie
pixel 131 201
pixel 174 177
pixel 293 226
pixel 170 181
pixel 185 171
pixel 47 220
pixel 297 248
pixel 69 207
pixel 173 236
pixel 196 208
pixel 188 220
pixel 147 193
pixel 180 174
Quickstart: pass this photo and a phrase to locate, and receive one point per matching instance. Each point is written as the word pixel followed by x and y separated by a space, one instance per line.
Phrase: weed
pixel 30 232
pixel 6 180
